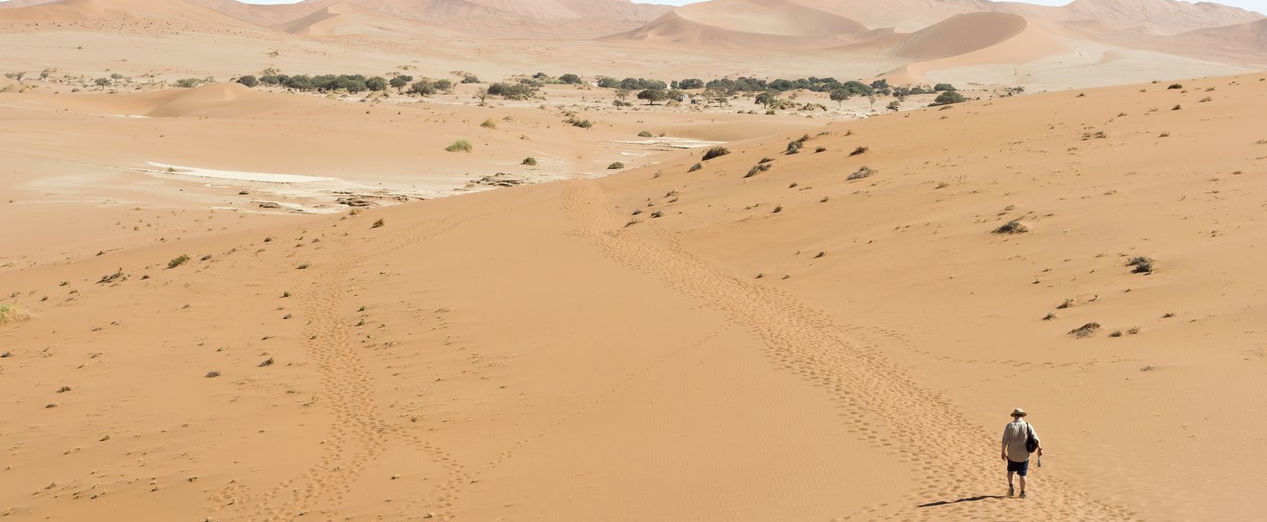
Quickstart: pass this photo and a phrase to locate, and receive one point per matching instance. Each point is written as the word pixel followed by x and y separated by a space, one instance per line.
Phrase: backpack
pixel 1031 443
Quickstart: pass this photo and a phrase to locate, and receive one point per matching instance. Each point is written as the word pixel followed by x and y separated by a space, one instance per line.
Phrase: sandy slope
pixel 554 352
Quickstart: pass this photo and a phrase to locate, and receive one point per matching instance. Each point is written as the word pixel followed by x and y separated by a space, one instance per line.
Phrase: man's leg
pixel 1022 485
pixel 1010 490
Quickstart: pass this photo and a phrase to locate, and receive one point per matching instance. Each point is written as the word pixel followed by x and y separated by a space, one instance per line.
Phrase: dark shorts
pixel 1021 468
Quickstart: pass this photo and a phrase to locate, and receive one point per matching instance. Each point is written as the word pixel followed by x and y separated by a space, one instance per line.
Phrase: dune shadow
pixel 965 499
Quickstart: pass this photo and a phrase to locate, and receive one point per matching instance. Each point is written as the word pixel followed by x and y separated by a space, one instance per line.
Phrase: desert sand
pixel 252 304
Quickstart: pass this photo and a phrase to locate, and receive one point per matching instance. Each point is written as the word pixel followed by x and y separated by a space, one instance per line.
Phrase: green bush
pixel 377 83
pixel 644 134
pixel 949 97
pixel 570 79
pixel 944 87
pixel 529 161
pixel 400 82
pixel 249 80
pixel 175 262
pixel 616 165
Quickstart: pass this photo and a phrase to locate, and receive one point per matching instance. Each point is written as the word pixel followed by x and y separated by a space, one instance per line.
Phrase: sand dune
pixel 750 23
pixel 346 19
pixel 702 355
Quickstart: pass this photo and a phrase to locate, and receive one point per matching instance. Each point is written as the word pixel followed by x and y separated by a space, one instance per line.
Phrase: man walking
pixel 1019 440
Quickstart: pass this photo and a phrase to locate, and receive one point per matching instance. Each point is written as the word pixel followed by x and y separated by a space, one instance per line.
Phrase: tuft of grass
pixel 1085 330
pixel 175 262
pixel 757 169
pixel 489 124
pixel 644 134
pixel 302 267
pixel 1175 86
pixel 460 146
pixel 1012 227
pixel 859 151
pixel 212 374
pixel 1177 107
pixel 695 167
pixel 9 312
pixel 1143 265
pixel 820 149
pixel 1068 303
pixel 378 224
pixel 616 165
pixel 715 152
pixel 529 161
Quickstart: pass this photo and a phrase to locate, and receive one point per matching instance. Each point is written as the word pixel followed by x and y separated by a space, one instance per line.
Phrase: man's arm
pixel 1006 434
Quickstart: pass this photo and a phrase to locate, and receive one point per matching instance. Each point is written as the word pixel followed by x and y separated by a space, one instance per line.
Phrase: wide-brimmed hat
pixel 1019 413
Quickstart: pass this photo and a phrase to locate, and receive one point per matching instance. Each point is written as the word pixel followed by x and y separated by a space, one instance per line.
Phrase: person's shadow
pixel 965 499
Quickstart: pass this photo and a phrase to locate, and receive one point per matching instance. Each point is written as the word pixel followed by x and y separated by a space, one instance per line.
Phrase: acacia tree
pixel 482 96
pixel 839 96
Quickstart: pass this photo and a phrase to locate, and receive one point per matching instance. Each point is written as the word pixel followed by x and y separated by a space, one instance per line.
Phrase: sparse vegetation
pixel 529 161
pixel 378 224
pixel 715 152
pixel 864 172
pixel 489 124
pixel 858 151
pixel 644 134
pixel 175 262
pixel 616 165
pixel 1141 264
pixel 948 98
pixel 695 167
pixel 460 146
pixel 1012 227
pixel 1085 330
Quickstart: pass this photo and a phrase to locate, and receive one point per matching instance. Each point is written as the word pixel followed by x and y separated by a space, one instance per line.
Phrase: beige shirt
pixel 1014 435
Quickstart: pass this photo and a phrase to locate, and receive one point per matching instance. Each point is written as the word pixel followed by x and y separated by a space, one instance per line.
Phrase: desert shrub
pixel 1177 107
pixel 819 149
pixel 1012 227
pixel 1085 330
pixel 1141 264
pixel 864 172
pixel 443 85
pixel 177 261
pixel 644 134
pixel 616 165
pixel 894 105
pixel 715 152
pixel 689 84
pixel 513 91
pixel 584 124
pixel 189 82
pixel 378 224
pixel 249 80
pixel 400 82
pixel 695 167
pixel 460 146
pixel 422 88
pixel 489 124
pixel 654 96
pixel 859 151
pixel 570 79
pixel 9 312
pixel 377 83
pixel 949 97
pixel 757 169
pixel 102 82
pixel 470 78
pixel 529 161
pixel 794 147
pixel 944 87
pixel 1175 86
